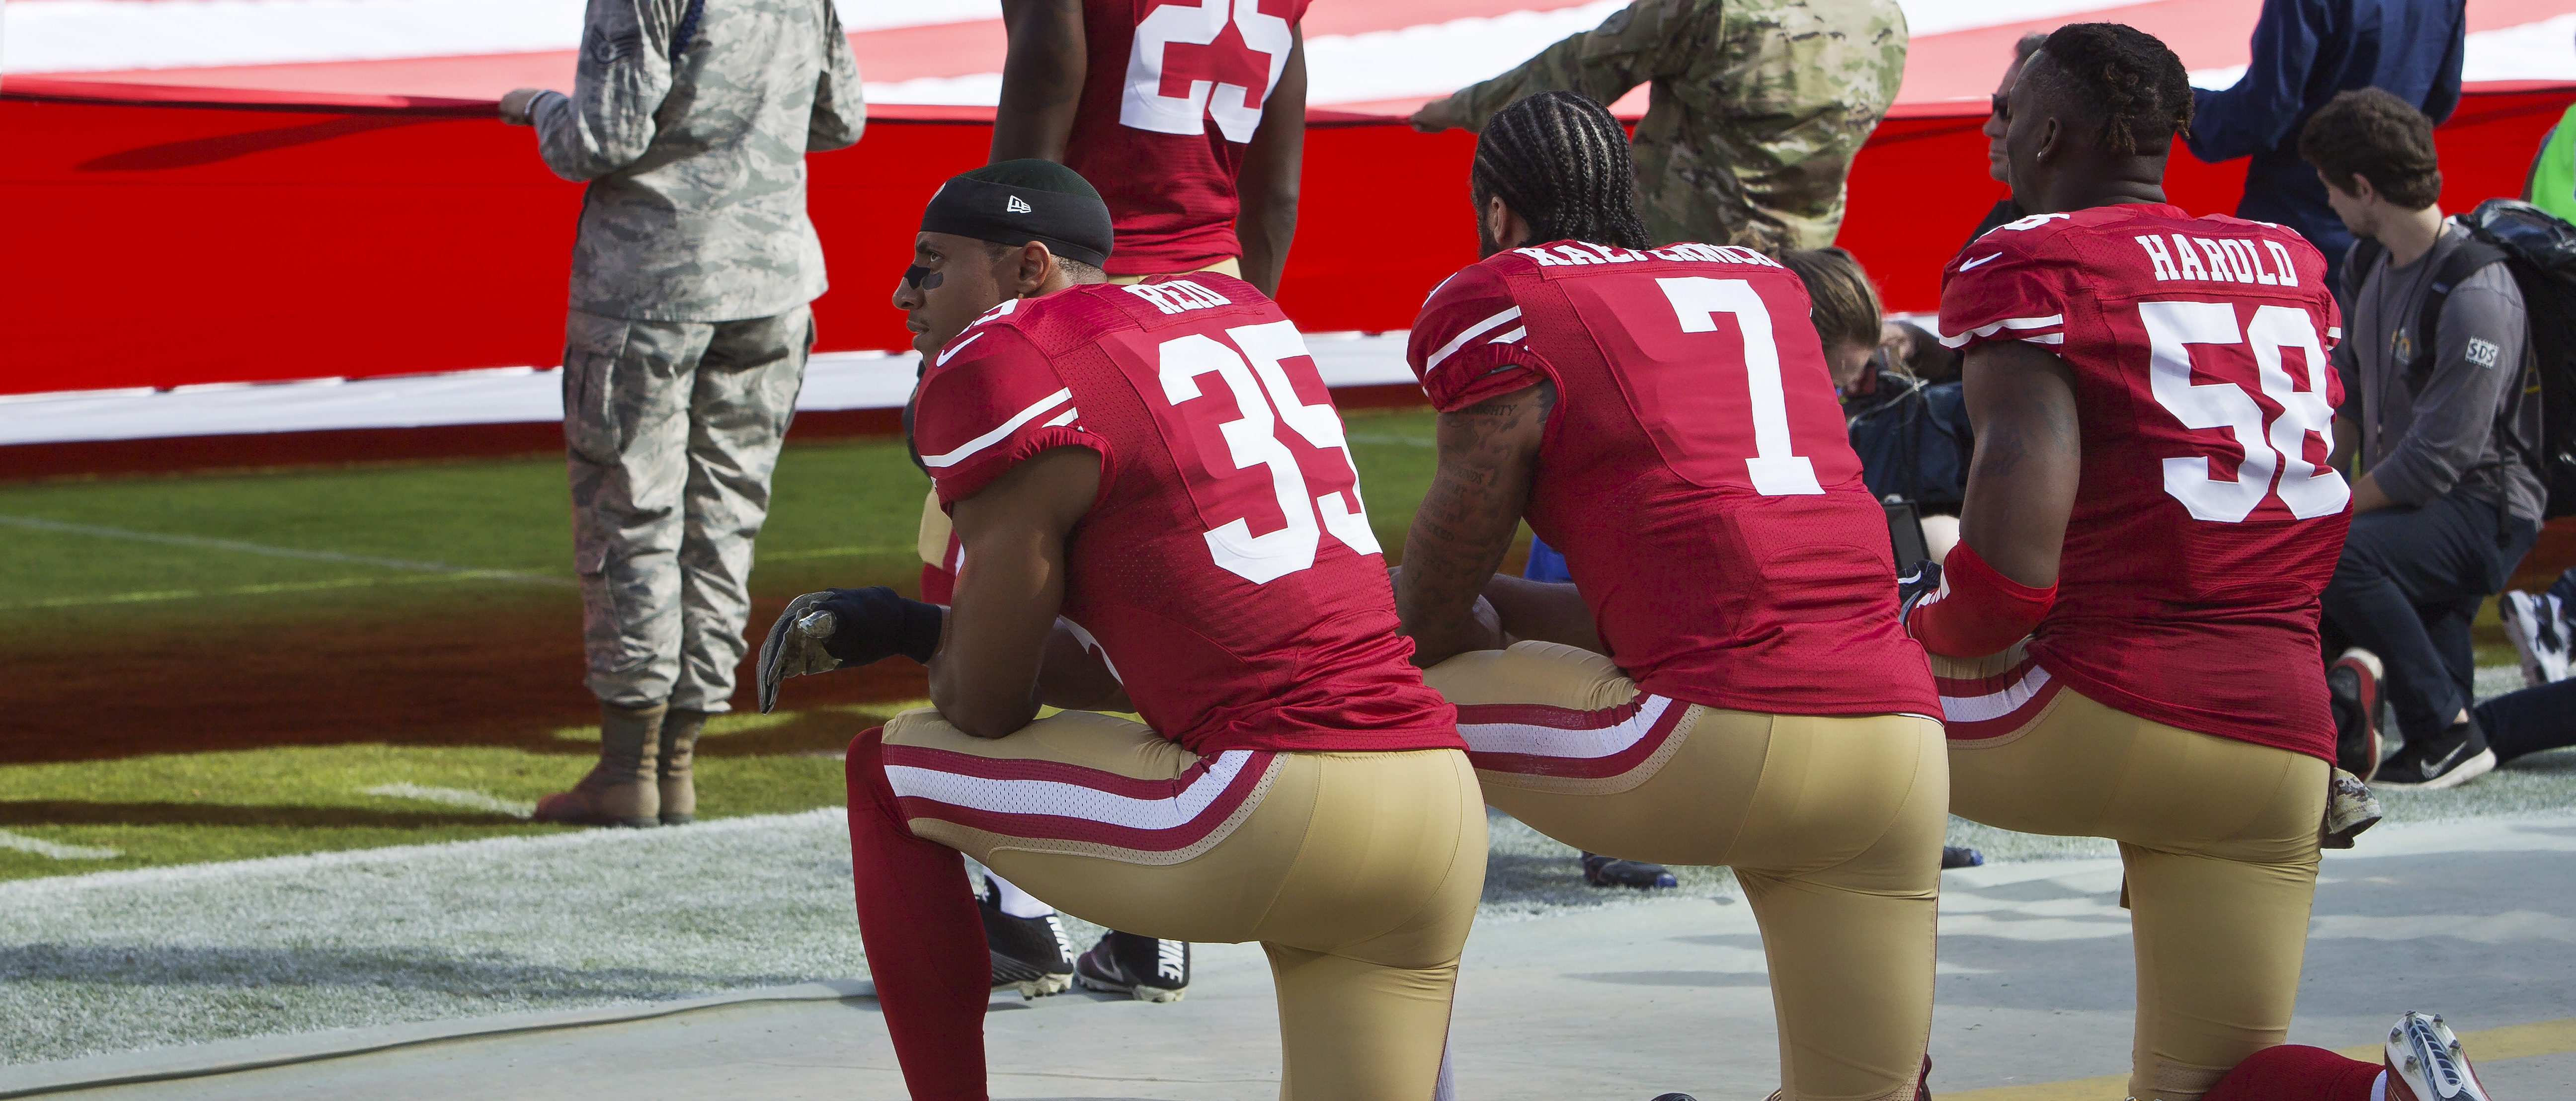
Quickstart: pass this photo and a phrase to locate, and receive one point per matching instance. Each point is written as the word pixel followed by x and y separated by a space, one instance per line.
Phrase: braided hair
pixel 2124 80
pixel 1560 161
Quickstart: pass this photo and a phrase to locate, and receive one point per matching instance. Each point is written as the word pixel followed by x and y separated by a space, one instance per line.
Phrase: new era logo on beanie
pixel 1074 225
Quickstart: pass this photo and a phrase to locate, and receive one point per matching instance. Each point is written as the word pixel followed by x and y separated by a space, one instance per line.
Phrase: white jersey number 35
pixel 1184 68
pixel 2276 454
pixel 1264 402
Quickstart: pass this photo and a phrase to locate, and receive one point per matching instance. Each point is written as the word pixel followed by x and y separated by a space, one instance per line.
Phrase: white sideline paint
pixel 454 797
pixel 510 395
pixel 159 595
pixel 63 527
pixel 504 850
pixel 52 850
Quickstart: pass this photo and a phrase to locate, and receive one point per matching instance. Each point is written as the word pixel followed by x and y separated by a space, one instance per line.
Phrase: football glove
pixel 820 632
pixel 1923 582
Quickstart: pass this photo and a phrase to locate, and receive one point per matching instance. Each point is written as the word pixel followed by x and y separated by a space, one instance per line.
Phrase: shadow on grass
pixel 483 669
pixel 407 969
pixel 66 812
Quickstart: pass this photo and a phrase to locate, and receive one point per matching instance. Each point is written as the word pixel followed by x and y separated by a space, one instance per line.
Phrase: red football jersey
pixel 2207 519
pixel 1226 571
pixel 1173 93
pixel 1695 471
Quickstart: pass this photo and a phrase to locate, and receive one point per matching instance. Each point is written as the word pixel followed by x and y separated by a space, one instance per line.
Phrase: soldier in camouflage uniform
pixel 1756 108
pixel 684 348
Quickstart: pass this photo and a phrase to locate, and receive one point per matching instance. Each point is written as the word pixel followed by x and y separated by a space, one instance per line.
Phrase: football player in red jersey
pixel 1190 118
pixel 1159 514
pixel 1725 681
pixel 2151 505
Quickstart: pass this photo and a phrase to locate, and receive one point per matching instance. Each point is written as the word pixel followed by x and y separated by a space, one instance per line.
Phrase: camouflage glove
pixel 795 646
pixel 820 632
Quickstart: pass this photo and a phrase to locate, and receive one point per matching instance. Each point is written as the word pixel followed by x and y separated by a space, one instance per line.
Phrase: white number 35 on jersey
pixel 1184 68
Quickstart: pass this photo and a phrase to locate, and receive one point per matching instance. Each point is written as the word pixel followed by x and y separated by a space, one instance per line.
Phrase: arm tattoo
pixel 1488 455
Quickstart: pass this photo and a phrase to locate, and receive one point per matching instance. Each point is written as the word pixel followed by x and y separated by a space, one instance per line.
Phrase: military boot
pixel 620 790
pixel 679 745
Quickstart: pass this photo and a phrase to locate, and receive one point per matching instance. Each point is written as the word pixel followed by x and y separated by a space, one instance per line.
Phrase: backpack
pixel 2540 251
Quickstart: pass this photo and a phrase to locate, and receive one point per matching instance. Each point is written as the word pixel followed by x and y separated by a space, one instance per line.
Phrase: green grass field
pixel 222 666
pixel 238 665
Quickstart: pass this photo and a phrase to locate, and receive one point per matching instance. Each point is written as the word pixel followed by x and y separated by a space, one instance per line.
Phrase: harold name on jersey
pixel 2229 260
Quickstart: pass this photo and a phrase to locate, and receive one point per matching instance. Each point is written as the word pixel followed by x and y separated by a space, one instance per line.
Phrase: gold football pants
pixel 1832 824
pixel 1358 872
pixel 2218 838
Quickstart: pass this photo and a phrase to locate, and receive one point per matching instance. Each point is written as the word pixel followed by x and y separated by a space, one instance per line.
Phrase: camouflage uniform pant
pixel 671 430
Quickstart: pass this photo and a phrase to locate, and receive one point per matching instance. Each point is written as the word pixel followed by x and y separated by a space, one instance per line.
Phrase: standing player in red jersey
pixel 1725 681
pixel 1159 514
pixel 2151 505
pixel 1189 117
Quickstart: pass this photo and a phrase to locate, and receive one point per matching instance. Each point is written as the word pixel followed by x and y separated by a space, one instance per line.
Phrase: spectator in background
pixel 1755 108
pixel 683 350
pixel 1997 163
pixel 1202 180
pixel 2449 497
pixel 2304 53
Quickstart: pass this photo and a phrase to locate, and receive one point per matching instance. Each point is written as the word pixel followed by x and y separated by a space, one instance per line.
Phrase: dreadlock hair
pixel 1560 161
pixel 2125 81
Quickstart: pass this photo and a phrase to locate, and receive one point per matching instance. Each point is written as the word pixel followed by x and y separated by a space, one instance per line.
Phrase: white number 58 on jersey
pixel 2276 454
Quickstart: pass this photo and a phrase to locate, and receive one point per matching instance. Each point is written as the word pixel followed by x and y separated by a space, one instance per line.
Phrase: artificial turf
pixel 218 666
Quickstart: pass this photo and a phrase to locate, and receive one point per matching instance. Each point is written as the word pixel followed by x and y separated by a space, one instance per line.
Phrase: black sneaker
pixel 1031 954
pixel 2352 693
pixel 1603 871
pixel 1144 968
pixel 2457 757
pixel 1960 856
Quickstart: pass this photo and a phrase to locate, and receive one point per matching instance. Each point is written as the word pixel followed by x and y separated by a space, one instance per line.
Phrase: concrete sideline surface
pixel 2468 919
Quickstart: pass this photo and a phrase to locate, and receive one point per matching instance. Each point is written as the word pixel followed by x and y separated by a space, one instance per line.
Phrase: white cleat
pixel 2425 1063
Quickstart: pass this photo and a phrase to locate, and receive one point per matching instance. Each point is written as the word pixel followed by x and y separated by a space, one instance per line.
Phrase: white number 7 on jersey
pixel 1697 300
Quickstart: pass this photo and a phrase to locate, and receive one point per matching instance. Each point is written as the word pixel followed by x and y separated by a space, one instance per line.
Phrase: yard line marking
pixel 151 596
pixel 44 848
pixel 38 523
pixel 454 797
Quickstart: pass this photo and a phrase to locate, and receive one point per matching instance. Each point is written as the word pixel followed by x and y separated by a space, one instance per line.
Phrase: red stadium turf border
pixel 166 236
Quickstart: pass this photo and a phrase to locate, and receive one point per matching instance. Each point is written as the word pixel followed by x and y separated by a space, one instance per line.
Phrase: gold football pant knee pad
pixel 2218 838
pixel 1833 824
pixel 1357 872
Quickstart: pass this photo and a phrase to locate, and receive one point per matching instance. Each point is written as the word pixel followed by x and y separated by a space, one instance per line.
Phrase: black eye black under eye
pixel 923 278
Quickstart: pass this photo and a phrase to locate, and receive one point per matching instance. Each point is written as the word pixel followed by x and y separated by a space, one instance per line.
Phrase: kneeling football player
pixel 2150 503
pixel 1725 680
pixel 1159 514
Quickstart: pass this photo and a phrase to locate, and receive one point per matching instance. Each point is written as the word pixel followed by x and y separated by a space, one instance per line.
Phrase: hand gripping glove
pixel 820 632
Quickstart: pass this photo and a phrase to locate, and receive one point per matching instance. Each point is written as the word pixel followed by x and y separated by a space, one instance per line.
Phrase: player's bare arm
pixel 984 677
pixel 1042 77
pixel 1488 454
pixel 2021 482
pixel 1267 187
